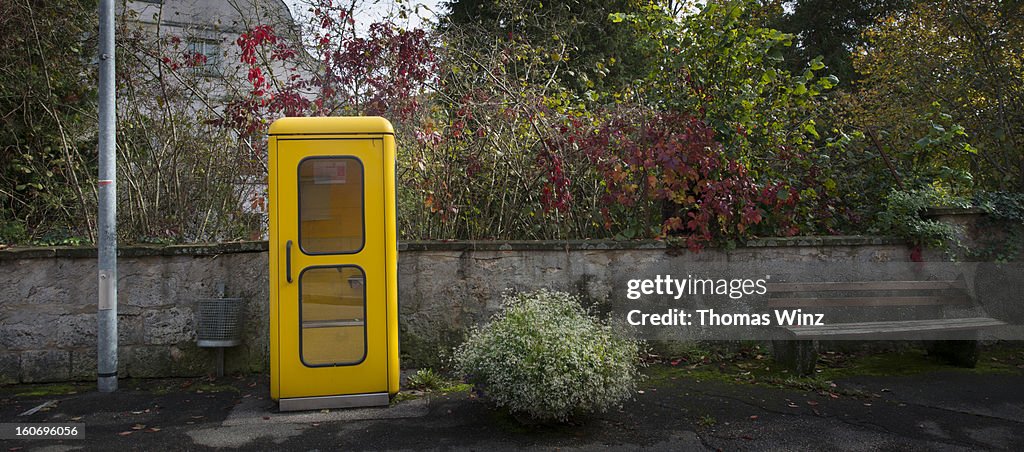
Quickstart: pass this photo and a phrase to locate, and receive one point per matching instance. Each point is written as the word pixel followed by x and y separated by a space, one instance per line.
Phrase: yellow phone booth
pixel 333 263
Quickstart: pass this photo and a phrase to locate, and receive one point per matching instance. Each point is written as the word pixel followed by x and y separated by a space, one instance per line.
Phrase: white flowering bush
pixel 544 356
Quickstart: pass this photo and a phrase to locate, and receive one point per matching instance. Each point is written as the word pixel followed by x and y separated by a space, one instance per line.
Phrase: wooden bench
pixel 930 299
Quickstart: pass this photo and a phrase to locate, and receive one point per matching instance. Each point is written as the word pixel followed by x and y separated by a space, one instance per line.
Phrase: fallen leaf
pixel 138 426
pixel 153 429
pixel 77 418
pixel 812 403
pixel 753 418
pixel 792 405
pixel 867 404
pixel 266 418
pixel 129 432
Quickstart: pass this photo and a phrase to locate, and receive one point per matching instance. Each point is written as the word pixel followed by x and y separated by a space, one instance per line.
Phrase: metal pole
pixel 106 316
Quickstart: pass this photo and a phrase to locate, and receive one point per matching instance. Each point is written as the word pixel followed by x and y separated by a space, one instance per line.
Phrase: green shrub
pixel 1005 222
pixel 902 217
pixel 425 380
pixel 546 357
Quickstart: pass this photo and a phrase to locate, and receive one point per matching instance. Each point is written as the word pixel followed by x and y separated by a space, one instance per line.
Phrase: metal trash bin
pixel 219 322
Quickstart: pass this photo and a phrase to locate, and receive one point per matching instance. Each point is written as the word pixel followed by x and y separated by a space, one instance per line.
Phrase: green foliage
pixel 475 165
pixel 731 72
pixel 1005 218
pixel 830 29
pixel 47 130
pixel 722 66
pixel 180 179
pixel 425 380
pixel 931 151
pixel 1002 206
pixel 545 357
pixel 12 232
pixel 963 55
pixel 902 217
pixel 594 53
pixel 502 145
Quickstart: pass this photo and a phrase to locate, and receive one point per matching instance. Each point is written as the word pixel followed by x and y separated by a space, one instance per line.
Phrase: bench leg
pixel 962 353
pixel 797 356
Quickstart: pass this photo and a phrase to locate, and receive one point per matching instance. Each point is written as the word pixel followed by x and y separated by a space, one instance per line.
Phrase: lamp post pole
pixel 106 315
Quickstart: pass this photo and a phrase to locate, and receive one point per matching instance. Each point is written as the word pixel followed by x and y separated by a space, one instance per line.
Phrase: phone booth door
pixel 332 341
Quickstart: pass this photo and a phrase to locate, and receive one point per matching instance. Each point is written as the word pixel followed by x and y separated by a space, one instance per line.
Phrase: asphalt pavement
pixel 944 410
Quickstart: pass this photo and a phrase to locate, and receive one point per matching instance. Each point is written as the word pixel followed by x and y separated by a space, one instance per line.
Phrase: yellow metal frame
pixel 371 139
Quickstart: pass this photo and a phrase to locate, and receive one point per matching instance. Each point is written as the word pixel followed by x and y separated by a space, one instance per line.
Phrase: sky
pixel 369 11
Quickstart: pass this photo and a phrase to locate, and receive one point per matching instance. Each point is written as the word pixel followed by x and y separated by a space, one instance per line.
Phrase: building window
pixel 210 50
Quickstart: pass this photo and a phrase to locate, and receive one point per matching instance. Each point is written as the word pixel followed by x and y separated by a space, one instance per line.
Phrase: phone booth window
pixel 332 304
pixel 331 205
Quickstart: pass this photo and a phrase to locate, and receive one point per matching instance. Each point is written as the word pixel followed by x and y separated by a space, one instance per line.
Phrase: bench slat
pixel 865 301
pixel 865 285
pixel 881 328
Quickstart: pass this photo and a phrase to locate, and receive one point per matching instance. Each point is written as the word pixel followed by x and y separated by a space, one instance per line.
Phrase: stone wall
pixel 48 310
pixel 48 295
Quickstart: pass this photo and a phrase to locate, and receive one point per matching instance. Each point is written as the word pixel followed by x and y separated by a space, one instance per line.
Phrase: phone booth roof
pixel 332 125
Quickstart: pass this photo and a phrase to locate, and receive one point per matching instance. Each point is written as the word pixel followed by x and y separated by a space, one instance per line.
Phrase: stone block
pixel 168 326
pixel 149 362
pixel 74 331
pixel 10 368
pixel 83 364
pixel 38 366
pixel 129 329
pixel 190 360
pixel 27 331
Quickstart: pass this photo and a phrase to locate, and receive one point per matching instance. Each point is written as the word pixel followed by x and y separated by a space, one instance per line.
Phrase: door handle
pixel 288 260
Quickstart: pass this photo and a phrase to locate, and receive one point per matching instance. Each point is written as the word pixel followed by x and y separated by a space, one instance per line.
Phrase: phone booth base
pixel 329 402
pixel 333 263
